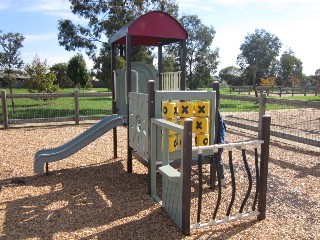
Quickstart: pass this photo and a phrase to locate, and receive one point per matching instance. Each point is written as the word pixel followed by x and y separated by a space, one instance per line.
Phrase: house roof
pixel 151 29
pixel 15 75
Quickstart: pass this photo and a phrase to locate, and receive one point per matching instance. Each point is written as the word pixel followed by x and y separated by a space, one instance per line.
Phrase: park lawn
pixel 287 96
pixel 61 107
pixel 64 107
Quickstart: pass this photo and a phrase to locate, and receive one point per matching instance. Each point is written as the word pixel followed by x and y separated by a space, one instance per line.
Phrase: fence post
pixel 262 111
pixel 4 109
pixel 76 106
pixel 262 200
pixel 280 92
pixel 186 171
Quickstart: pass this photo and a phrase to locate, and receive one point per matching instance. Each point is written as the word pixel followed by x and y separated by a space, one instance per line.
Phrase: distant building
pixel 222 84
pixel 21 79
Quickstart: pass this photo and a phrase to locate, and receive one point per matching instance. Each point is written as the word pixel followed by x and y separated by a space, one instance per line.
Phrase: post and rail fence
pixel 276 90
pixel 17 116
pixel 293 120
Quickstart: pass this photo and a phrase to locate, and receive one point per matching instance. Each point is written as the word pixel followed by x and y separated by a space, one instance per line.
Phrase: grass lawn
pixel 61 107
pixel 64 107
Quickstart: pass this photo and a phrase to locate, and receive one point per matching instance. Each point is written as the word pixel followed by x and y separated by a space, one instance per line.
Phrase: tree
pixel 317 78
pixel 42 80
pixel 258 51
pixel 60 70
pixel 201 60
pixel 169 63
pixel 231 75
pixel 10 60
pixel 104 19
pixel 290 68
pixel 77 71
pixel 103 65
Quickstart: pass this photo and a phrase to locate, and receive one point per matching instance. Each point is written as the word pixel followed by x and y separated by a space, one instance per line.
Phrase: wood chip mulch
pixel 91 196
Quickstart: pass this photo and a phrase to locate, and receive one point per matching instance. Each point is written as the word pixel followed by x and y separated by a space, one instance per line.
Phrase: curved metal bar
pixel 244 157
pixel 256 162
pixel 200 187
pixel 233 181
pixel 219 187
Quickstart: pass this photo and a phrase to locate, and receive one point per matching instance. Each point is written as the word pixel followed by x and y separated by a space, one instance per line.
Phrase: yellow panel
pixel 173 120
pixel 200 124
pixel 202 139
pixel 202 109
pixel 186 109
pixel 169 110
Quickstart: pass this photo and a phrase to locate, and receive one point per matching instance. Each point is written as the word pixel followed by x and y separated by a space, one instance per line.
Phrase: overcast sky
pixel 295 22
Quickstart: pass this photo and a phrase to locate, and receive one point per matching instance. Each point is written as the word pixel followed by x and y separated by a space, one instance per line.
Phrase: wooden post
pixel 262 200
pixel 151 114
pixel 262 111
pixel 76 106
pixel 5 117
pixel 280 92
pixel 186 171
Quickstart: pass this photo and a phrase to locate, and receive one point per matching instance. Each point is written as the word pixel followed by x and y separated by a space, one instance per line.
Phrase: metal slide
pixel 58 153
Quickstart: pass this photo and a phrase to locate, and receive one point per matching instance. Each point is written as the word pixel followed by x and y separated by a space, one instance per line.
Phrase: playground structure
pixel 161 119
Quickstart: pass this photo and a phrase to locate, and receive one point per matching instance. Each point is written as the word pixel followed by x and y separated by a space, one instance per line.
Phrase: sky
pixel 294 22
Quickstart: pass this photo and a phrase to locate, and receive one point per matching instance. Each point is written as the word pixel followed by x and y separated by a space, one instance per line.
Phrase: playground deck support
pixel 160 65
pixel 151 114
pixel 114 104
pixel 128 84
pixel 265 136
pixel 186 181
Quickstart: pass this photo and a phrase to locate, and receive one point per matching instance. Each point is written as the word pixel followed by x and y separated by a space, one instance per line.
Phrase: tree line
pixel 259 64
pixel 40 77
pixel 257 61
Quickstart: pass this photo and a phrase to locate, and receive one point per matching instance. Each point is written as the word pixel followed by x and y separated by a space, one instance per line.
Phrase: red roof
pixel 151 29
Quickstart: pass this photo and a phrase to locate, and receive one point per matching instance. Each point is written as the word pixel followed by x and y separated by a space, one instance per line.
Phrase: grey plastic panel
pixel 138 123
pixel 140 71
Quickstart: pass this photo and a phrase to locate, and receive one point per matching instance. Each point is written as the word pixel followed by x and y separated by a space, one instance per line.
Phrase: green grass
pixel 61 107
pixel 64 107
pixel 299 97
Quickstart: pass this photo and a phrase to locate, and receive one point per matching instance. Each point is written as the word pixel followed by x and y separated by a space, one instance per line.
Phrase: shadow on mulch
pixel 99 201
pixel 82 198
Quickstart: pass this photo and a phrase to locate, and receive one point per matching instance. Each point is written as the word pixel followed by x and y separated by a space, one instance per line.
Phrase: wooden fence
pixel 277 90
pixel 296 120
pixel 76 115
pixel 293 120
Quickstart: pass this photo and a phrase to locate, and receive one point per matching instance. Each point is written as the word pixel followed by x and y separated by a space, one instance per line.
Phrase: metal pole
pixel 114 103
pixel 151 114
pixel 76 106
pixel 128 81
pixel 160 66
pixel 183 64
